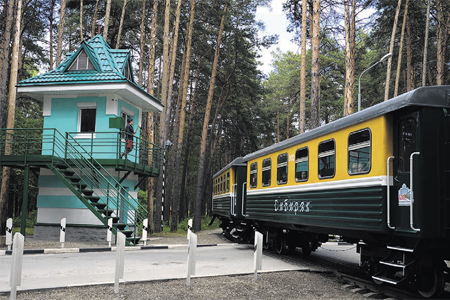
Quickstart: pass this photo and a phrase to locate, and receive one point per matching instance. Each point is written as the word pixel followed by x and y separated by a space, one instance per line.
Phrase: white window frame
pixel 81 106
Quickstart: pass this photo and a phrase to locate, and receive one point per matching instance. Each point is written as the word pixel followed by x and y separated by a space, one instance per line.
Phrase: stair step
pixel 115 220
pixel 392 264
pixel 106 212
pixel 120 226
pixel 87 193
pixel 128 233
pixel 94 199
pixel 387 280
pixel 133 240
pixel 73 178
pixel 98 205
pixel 67 172
pixel 400 249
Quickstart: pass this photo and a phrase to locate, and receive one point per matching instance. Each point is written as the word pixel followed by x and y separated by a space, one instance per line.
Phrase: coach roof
pixel 435 96
pixel 237 162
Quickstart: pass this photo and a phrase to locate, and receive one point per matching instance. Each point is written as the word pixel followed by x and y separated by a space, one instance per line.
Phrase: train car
pixel 379 178
pixel 229 186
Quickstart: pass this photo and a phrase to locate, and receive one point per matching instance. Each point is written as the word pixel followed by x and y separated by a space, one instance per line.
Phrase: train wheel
pixel 280 243
pixel 431 282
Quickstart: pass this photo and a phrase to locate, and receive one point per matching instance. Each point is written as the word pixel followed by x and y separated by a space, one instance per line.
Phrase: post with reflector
pixel 9 225
pixel 257 253
pixel 120 258
pixel 16 268
pixel 62 235
pixel 109 232
pixel 192 247
pixel 144 231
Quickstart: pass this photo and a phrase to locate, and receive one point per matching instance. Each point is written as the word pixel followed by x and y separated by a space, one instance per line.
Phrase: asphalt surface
pixel 70 267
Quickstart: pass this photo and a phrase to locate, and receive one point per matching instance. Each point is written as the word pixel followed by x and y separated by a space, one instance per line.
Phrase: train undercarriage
pixel 415 264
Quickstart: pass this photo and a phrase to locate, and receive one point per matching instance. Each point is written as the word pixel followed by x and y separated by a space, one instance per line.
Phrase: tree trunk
pixel 302 117
pixel 162 117
pixel 184 86
pixel 170 183
pixel 108 12
pixel 349 92
pixel 81 20
pixel 121 24
pixel 60 33
pixel 11 115
pixel 50 46
pixel 4 58
pixel 400 50
pixel 184 205
pixel 315 67
pixel 440 38
pixel 199 191
pixel 94 19
pixel 142 44
pixel 425 47
pixel 409 66
pixel 391 49
pixel 150 116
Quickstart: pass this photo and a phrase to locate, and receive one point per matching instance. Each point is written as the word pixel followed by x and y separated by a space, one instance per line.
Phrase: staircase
pixel 88 180
pixel 396 266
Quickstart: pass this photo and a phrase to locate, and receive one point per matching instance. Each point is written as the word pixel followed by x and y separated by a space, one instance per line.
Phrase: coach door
pixel 406 155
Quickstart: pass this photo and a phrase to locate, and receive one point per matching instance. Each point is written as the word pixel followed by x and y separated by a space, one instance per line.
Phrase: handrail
pixel 233 199
pixel 24 142
pixel 411 165
pixel 388 198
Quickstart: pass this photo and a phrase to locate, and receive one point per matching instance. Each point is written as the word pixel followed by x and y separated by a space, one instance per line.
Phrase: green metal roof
pixel 109 64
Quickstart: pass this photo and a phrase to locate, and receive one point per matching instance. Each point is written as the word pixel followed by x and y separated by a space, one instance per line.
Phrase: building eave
pixel 127 90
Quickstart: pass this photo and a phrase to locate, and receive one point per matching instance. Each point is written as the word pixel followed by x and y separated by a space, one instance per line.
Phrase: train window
pixel 301 164
pixel 253 174
pixel 228 181
pixel 282 168
pixel 266 169
pixel 359 152
pixel 327 159
pixel 406 143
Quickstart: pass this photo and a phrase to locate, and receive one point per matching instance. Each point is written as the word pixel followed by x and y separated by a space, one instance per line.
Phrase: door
pixel 406 148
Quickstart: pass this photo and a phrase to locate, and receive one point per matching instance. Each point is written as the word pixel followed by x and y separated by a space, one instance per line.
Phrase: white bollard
pixel 192 247
pixel 257 262
pixel 189 228
pixel 109 232
pixel 62 235
pixel 16 268
pixel 144 231
pixel 120 258
pixel 9 225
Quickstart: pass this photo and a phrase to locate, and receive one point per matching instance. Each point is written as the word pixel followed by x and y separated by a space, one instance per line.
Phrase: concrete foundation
pixel 85 234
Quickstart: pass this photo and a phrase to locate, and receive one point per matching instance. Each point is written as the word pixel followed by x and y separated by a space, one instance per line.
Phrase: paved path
pixel 41 271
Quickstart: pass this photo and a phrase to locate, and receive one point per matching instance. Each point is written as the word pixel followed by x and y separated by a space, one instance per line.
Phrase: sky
pixel 276 23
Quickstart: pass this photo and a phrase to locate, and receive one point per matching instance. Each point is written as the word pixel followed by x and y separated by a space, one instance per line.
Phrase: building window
pixel 87 116
pixel 359 152
pixel 282 168
pixel 327 159
pixel 253 174
pixel 301 164
pixel 82 62
pixel 127 72
pixel 266 169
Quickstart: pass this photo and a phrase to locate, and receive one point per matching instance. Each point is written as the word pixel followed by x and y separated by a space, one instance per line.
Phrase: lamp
pixel 359 81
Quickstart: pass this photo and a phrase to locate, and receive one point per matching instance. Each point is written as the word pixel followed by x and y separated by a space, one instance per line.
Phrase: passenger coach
pixel 379 178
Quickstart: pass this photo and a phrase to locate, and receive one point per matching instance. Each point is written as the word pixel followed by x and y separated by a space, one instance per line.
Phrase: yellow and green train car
pixel 379 178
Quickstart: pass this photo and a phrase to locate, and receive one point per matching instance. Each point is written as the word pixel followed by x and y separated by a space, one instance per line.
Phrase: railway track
pixel 351 276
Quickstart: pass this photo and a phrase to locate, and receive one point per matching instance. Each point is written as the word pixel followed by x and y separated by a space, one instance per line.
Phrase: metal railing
pixel 70 151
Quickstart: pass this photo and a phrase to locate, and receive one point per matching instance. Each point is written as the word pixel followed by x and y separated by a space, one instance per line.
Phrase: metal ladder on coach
pixel 395 266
